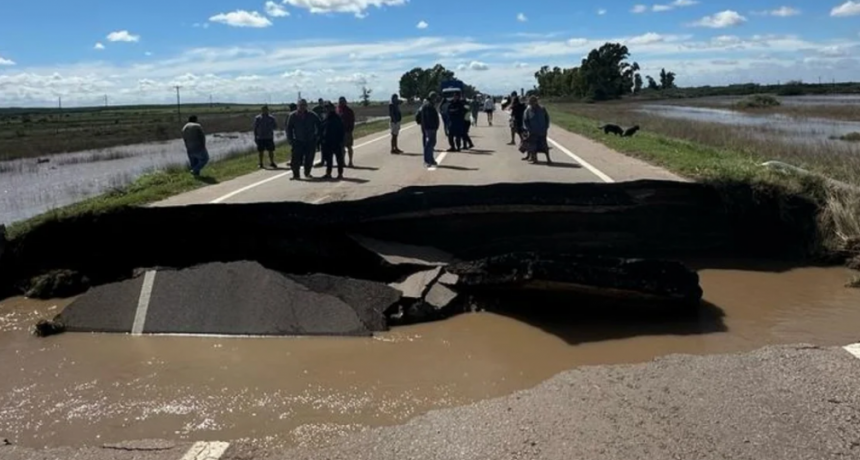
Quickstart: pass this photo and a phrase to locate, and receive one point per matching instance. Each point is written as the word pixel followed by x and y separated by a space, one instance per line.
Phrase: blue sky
pixel 254 50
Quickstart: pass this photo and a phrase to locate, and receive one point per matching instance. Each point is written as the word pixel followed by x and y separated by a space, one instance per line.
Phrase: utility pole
pixel 178 105
pixel 210 101
pixel 60 103
pixel 106 100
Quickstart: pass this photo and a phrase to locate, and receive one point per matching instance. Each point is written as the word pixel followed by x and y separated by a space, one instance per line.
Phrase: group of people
pixel 528 121
pixel 329 128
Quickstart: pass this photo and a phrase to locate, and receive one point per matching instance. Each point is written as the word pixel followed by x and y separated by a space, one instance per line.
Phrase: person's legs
pixel 309 157
pixel 327 158
pixel 192 161
pixel 200 160
pixel 338 153
pixel 429 146
pixel 271 148
pixel 260 149
pixel 348 140
pixel 297 160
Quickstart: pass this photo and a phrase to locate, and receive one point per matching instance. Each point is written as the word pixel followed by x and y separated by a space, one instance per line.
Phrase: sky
pixel 268 51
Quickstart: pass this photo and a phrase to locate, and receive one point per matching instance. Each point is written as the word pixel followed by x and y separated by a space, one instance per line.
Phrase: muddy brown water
pixel 90 389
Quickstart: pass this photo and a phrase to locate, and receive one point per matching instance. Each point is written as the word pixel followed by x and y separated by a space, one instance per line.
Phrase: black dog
pixel 612 129
pixel 629 132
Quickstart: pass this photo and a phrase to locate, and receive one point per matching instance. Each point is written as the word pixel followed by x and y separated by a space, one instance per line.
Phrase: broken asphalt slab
pixel 239 298
pixel 405 254
pixel 416 285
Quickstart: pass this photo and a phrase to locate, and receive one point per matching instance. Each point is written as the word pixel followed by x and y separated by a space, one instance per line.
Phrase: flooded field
pixel 82 389
pixel 28 188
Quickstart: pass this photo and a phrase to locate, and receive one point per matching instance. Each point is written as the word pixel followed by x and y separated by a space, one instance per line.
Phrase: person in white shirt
pixel 489 108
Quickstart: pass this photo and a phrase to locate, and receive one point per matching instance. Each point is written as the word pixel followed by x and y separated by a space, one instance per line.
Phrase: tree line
pixel 604 74
pixel 419 82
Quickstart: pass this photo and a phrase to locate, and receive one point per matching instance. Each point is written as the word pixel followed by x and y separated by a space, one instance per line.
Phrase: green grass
pixel 163 184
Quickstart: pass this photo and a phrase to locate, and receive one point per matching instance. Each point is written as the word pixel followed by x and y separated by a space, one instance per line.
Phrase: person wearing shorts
pixel 265 126
pixel 489 108
pixel 347 115
pixel 395 117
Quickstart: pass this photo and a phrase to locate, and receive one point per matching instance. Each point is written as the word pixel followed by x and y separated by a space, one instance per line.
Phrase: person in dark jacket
pixel 429 120
pixel 395 116
pixel 332 132
pixel 536 122
pixel 303 129
pixel 517 111
pixel 456 123
pixel 348 116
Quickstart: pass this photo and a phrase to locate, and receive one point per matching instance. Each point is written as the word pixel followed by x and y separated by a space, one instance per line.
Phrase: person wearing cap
pixel 332 134
pixel 303 128
pixel 429 128
pixel 395 116
pixel 348 116
pixel 265 126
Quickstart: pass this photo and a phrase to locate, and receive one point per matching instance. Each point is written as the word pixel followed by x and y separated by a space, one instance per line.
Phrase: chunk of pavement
pixel 106 308
pixel 449 279
pixel 57 284
pixel 403 254
pixel 417 284
pixel 245 298
pixel 438 303
pixel 603 276
pixel 369 299
pixel 440 296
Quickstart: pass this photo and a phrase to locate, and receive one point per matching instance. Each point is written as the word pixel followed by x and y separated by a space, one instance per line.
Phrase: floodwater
pixel 805 100
pixel 85 389
pixel 28 188
pixel 806 129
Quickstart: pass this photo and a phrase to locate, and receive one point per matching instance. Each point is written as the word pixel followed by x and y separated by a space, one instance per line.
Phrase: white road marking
pixel 854 349
pixel 582 162
pixel 206 450
pixel 143 302
pixel 278 176
pixel 320 199
pixel 439 160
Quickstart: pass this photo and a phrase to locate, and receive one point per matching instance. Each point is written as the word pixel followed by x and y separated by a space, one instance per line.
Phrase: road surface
pixel 790 403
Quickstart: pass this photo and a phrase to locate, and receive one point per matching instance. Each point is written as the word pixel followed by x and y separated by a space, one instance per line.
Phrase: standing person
pixel 395 116
pixel 536 121
pixel 489 108
pixel 429 120
pixel 467 140
pixel 319 110
pixel 517 111
pixel 475 108
pixel 332 135
pixel 303 129
pixel 348 116
pixel 195 145
pixel 456 123
pixel 446 119
pixel 265 126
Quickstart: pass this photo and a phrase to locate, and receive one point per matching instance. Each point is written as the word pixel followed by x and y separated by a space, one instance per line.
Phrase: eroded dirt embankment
pixel 642 219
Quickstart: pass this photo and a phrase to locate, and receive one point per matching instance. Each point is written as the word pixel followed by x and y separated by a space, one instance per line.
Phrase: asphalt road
pixel 377 171
pixel 787 403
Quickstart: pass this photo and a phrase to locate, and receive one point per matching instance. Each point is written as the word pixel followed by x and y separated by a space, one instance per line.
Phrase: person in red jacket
pixel 348 117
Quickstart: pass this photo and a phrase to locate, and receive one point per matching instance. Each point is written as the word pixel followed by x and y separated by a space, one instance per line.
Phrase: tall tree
pixel 667 79
pixel 652 84
pixel 637 84
pixel 418 82
pixel 365 95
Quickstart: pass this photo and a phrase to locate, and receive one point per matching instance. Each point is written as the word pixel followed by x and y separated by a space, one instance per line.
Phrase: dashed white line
pixel 278 176
pixel 854 349
pixel 582 162
pixel 206 450
pixel 143 302
pixel 439 160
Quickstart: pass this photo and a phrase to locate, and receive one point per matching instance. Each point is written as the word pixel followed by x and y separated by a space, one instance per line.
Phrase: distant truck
pixel 450 87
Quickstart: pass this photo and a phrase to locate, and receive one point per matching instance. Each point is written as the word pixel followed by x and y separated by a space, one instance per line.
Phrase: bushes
pixel 758 101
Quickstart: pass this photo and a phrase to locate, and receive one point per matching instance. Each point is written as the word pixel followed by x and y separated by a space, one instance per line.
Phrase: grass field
pixel 712 152
pixel 164 184
pixel 33 133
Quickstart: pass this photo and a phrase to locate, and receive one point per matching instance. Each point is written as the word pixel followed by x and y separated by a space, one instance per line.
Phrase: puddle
pixel 805 130
pixel 82 389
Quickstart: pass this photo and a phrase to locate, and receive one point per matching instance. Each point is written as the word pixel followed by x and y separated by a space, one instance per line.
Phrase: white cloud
pixel 601 12
pixel 356 79
pixel 577 42
pixel 205 25
pixel 422 25
pixel 276 11
pixel 685 2
pixel 148 53
pixel 667 6
pixel 782 12
pixel 639 9
pixel 242 18
pixel 477 65
pixel 646 39
pixel 123 36
pixel 6 61
pixel 522 65
pixel 660 8
pixel 522 17
pixel 721 20
pixel 848 8
pixel 357 7
pixel 98 46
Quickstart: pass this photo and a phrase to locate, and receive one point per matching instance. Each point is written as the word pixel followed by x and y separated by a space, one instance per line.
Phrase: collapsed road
pixel 574 239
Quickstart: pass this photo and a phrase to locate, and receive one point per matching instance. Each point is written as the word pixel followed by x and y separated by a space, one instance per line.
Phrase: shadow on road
pixel 478 151
pixel 207 180
pixel 411 154
pixel 457 168
pixel 364 168
pixel 556 164
pixel 604 319
pixel 354 180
